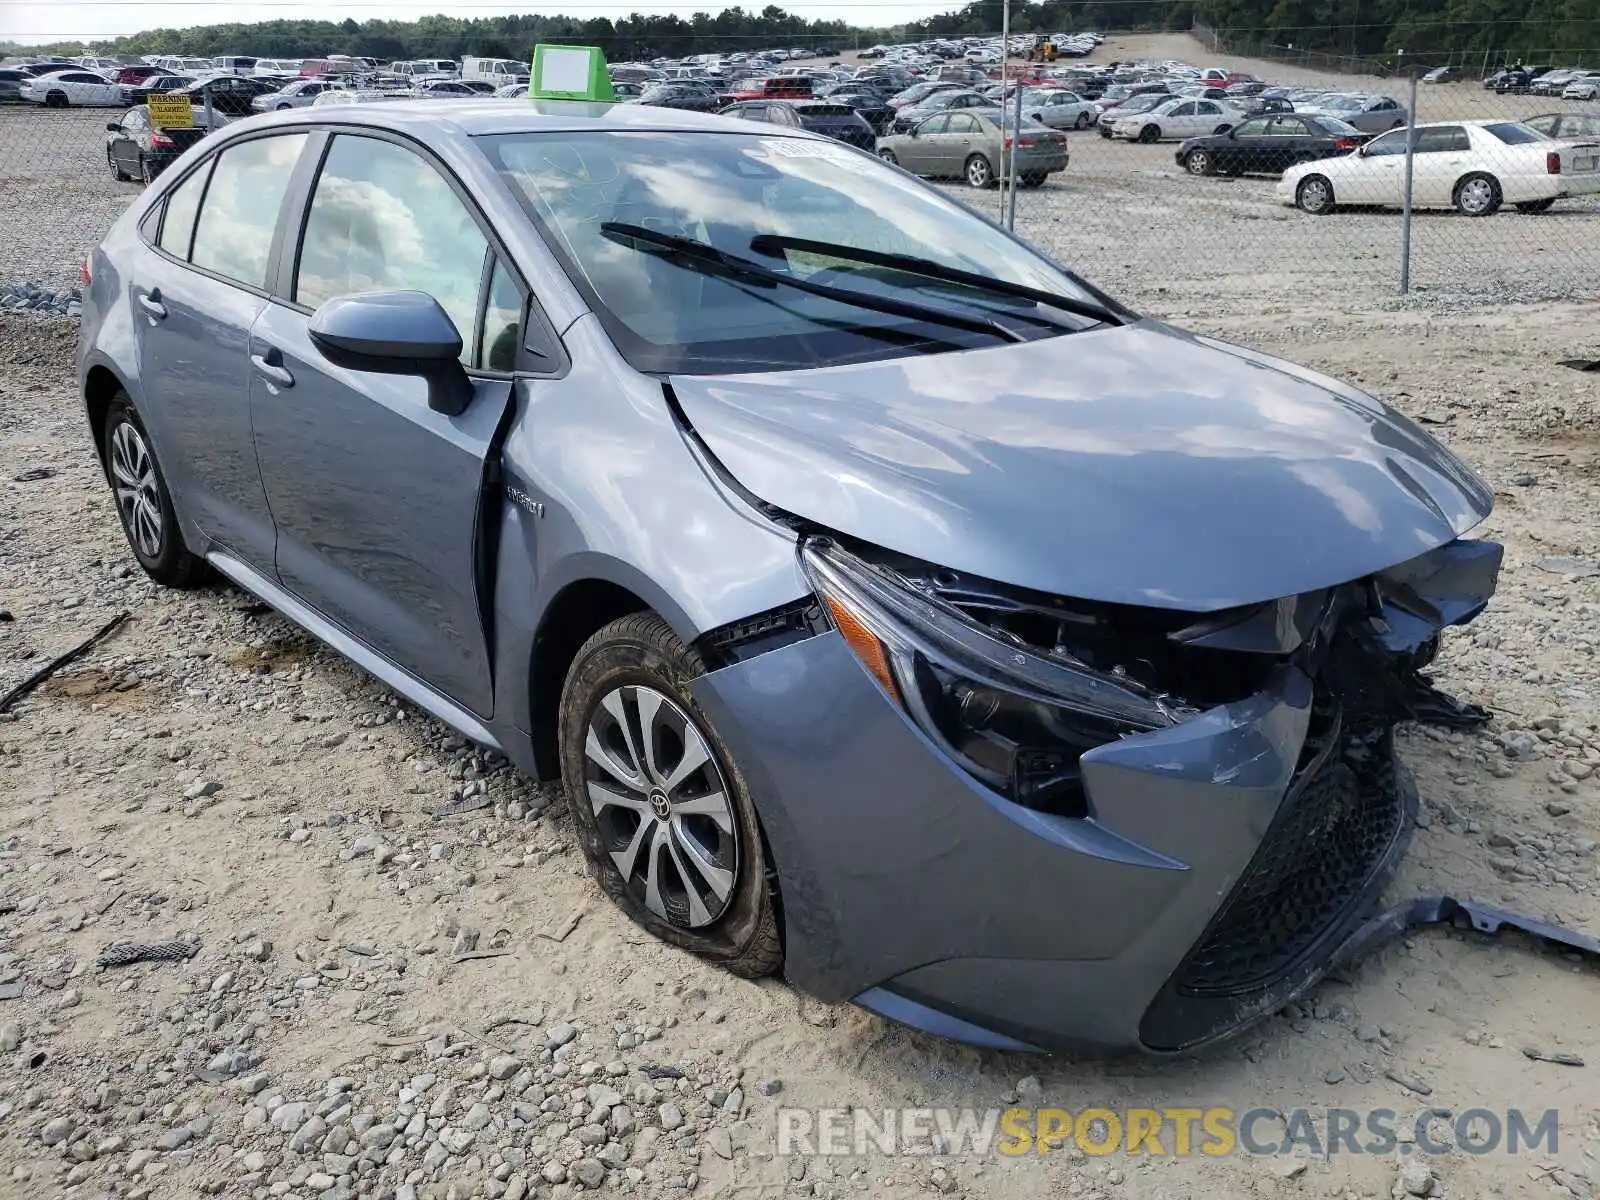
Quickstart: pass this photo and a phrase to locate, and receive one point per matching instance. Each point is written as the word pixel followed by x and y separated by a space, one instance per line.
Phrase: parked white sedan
pixel 1058 109
pixel 62 88
pixel 1178 119
pixel 1472 166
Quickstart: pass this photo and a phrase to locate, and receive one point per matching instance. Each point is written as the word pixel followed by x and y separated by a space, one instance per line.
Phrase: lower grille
pixel 1324 857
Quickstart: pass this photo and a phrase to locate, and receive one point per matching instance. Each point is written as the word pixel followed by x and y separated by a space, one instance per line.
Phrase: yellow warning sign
pixel 171 112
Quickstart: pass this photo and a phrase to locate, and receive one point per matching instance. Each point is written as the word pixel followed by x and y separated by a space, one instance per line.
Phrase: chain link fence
pixel 1496 216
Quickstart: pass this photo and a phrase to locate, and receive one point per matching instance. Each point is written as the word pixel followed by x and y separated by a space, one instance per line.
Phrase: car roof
pixel 424 118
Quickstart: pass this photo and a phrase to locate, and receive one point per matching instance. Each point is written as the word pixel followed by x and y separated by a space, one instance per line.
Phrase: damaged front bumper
pixel 1213 868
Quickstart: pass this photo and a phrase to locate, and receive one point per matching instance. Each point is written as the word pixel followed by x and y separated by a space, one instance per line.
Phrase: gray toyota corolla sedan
pixel 898 610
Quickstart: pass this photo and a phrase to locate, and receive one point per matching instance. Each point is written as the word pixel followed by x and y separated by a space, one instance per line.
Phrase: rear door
pixel 196 291
pixel 1442 156
pixel 375 495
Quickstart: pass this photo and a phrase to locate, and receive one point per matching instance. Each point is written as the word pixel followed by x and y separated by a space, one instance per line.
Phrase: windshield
pixel 725 190
pixel 1513 134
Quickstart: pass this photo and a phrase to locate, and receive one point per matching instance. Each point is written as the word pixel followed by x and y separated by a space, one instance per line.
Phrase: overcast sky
pixel 53 20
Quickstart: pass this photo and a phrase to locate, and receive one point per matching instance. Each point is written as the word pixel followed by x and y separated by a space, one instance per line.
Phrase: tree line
pixel 1434 30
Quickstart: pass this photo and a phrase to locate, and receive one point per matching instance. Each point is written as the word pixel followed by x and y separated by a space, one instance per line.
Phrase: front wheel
pixel 1149 134
pixel 1478 195
pixel 978 171
pixel 57 100
pixel 1315 195
pixel 117 172
pixel 283 108
pixel 143 502
pixel 1220 130
pixel 1198 162
pixel 888 157
pixel 663 814
pixel 1534 207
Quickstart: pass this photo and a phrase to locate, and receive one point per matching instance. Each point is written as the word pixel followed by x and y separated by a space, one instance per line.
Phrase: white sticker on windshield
pixel 803 148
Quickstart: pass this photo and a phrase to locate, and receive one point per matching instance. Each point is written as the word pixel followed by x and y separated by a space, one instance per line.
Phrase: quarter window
pixel 177 226
pixel 383 219
pixel 502 322
pixel 233 235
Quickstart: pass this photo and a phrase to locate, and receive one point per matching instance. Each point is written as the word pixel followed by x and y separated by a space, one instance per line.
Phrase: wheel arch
pixel 100 387
pixel 574 615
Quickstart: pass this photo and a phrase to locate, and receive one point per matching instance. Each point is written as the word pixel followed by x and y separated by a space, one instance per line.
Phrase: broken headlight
pixel 1014 716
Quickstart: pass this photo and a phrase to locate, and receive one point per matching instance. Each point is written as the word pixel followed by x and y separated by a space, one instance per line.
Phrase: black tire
pixel 1534 207
pixel 57 100
pixel 1314 195
pixel 1220 130
pixel 1150 134
pixel 641 650
pixel 1032 179
pixel 1477 195
pixel 117 172
pixel 1199 162
pixel 284 107
pixel 1082 122
pixel 146 175
pixel 888 157
pixel 1105 131
pixel 170 563
pixel 977 172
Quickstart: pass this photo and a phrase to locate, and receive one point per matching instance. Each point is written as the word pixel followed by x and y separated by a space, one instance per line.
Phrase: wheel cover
pixel 1199 160
pixel 662 807
pixel 133 472
pixel 1476 195
pixel 1315 193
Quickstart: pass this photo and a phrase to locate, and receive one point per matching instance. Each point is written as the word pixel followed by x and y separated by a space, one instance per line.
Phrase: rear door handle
pixel 270 370
pixel 151 303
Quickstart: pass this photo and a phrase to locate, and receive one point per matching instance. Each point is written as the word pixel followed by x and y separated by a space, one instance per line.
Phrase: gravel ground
pixel 366 1000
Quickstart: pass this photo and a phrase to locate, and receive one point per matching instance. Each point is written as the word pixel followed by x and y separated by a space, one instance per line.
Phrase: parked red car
pixel 130 76
pixel 779 87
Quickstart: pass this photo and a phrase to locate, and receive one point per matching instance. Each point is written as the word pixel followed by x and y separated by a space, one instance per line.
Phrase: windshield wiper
pixel 774 244
pixel 707 259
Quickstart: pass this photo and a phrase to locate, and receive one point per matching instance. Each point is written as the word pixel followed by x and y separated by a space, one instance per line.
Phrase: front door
pixel 196 295
pixel 375 495
pixel 920 153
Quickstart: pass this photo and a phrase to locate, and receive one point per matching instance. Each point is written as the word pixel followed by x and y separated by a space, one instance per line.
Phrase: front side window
pixel 183 205
pixel 1390 143
pixel 233 235
pixel 383 219
pixel 728 190
pixel 1250 128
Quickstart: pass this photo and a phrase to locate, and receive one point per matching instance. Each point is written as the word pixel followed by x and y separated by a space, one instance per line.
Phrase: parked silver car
pixel 895 608
pixel 970 145
pixel 1370 114
pixel 300 94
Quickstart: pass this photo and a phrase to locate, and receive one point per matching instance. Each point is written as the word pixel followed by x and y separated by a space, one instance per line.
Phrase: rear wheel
pixel 978 171
pixel 663 814
pixel 1150 133
pixel 888 157
pixel 1315 195
pixel 1105 131
pixel 57 100
pixel 1478 195
pixel 143 502
pixel 146 175
pixel 1032 179
pixel 117 172
pixel 1533 207
pixel 1082 122
pixel 1198 162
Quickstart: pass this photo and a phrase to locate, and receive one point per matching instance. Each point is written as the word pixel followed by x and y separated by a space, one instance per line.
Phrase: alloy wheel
pixel 138 498
pixel 1198 162
pixel 662 805
pixel 1477 195
pixel 978 173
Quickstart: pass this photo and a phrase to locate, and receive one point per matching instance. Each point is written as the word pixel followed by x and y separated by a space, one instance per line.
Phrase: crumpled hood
pixel 1136 465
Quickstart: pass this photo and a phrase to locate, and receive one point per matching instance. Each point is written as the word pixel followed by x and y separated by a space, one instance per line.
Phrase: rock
pixel 553 1172
pixel 173 1139
pixel 1557 808
pixel 1368 1033
pixel 258 949
pixel 1416 1178
pixel 1288 1168
pixel 721 1143
pixel 286 1118
pixel 308 1135
pixel 671 1116
pixel 560 1035
pixel 201 788
pixel 1333 1075
pixel 231 1061
pixel 319 1181
pixel 770 1087
pixel 1029 1089
pixel 503 1066
pixel 477 1117
pixel 588 1171
pixel 10 1036
pixel 56 1131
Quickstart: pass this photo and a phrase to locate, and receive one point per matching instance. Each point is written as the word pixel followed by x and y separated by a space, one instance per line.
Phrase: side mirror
pixel 396 333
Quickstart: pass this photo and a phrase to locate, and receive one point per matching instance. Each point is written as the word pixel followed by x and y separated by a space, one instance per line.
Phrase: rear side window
pixel 1513 134
pixel 381 218
pixel 177 226
pixel 233 236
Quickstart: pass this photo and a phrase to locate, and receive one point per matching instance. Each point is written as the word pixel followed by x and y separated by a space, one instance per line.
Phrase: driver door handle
pixel 271 370
pixel 151 303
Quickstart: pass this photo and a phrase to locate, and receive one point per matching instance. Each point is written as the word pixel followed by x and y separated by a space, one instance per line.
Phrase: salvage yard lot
pixel 210 773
